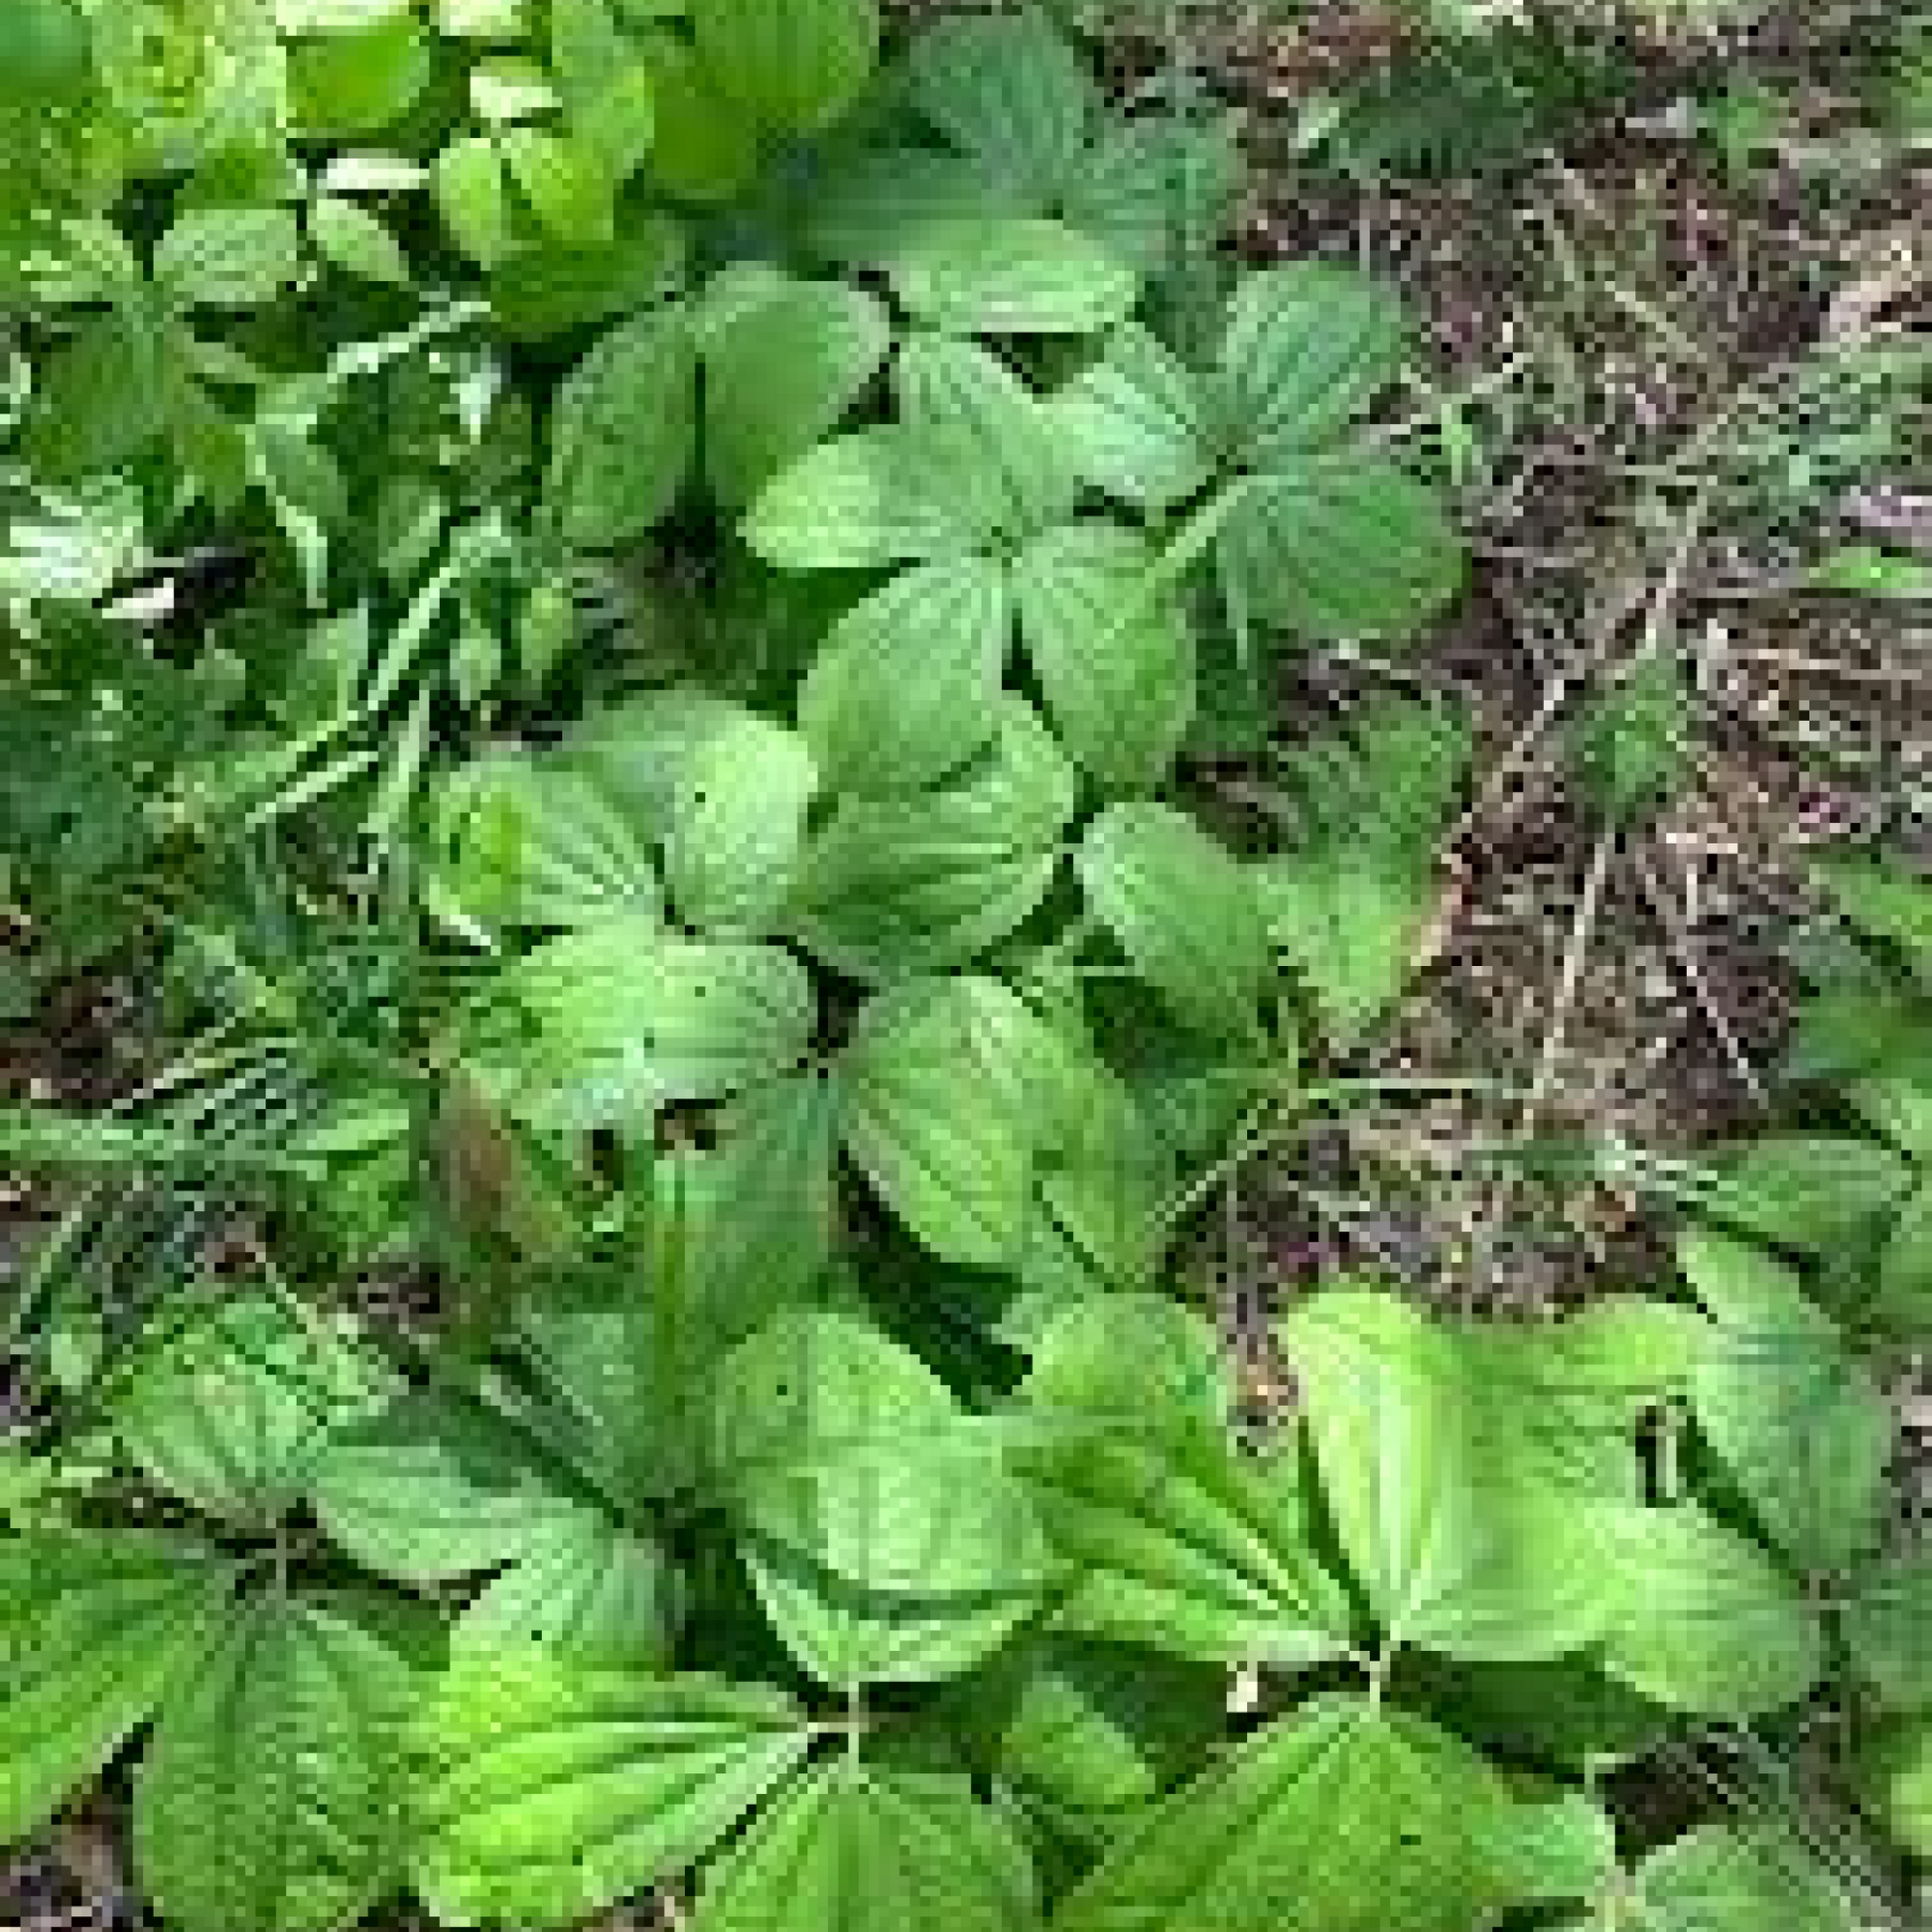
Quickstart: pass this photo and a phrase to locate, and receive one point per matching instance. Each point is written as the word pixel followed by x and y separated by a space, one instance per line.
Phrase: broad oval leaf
pixel 348 235
pixel 936 1108
pixel 527 841
pixel 1013 93
pixel 876 496
pixel 627 1018
pixel 1811 1193
pixel 863 1849
pixel 736 824
pixel 963 393
pixel 782 363
pixel 228 257
pixel 1807 1434
pixel 1888 1623
pixel 269 1799
pixel 234 1401
pixel 846 1636
pixel 1341 547
pixel 1282 1834
pixel 1184 912
pixel 583 1587
pixel 1309 346
pixel 837 1443
pixel 894 889
pixel 721 789
pixel 1115 665
pixel 1158 188
pixel 95 1628
pixel 549 1786
pixel 1457 1548
pixel 549 291
pixel 1697 1618
pixel 623 433
pixel 998 275
pixel 429 1491
pixel 794 65
pixel 1716 1879
pixel 907 688
pixel 1090 1733
pixel 1136 424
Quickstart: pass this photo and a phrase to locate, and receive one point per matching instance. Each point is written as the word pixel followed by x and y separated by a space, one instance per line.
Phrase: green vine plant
pixel 623 1341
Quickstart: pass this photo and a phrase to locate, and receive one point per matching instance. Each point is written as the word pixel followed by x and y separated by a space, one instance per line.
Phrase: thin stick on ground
pixel 1683 950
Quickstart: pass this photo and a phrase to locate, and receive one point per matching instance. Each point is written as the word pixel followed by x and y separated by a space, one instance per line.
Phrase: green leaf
pixel 1455 1546
pixel 1013 93
pixel 1864 570
pixel 1888 1623
pixel 228 257
pixel 964 394
pixel 1280 1837
pixel 874 498
pixel 629 1018
pixel 95 1627
pixel 721 788
pixel 736 824
pixel 1183 911
pixel 892 890
pixel 475 198
pixel 1565 1398
pixel 623 434
pixel 1883 900
pixel 431 1491
pixel 1341 547
pixel 907 688
pixel 1349 926
pixel 702 148
pixel 582 1587
pixel 44 46
pixel 783 360
pixel 548 290
pixel 1697 1618
pixel 1813 1192
pixel 1090 1732
pixel 794 65
pixel 1173 1538
pixel 1161 190
pixel 355 241
pixel 1895 1771
pixel 935 1094
pixel 269 1798
pixel 345 84
pixel 840 1447
pixel 1307 347
pixel 870 201
pixel 1136 423
pixel 527 843
pixel 1715 1878
pixel 1902 1299
pixel 568 187
pixel 1630 746
pixel 1010 275
pixel 1564 1712
pixel 1116 668
pixel 853 1847
pixel 1805 1431
pixel 102 398
pixel 233 1404
pixel 759 1207
pixel 553 1786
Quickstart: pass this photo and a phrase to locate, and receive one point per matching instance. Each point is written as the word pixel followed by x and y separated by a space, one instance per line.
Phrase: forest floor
pixel 1624 330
